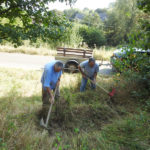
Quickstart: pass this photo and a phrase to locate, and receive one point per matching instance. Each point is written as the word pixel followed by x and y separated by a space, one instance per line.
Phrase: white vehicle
pixel 123 53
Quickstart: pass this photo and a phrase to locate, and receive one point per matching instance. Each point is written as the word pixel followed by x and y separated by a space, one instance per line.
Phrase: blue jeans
pixel 84 82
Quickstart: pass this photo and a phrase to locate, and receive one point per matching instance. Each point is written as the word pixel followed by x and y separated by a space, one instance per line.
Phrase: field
pixel 82 121
pixel 99 54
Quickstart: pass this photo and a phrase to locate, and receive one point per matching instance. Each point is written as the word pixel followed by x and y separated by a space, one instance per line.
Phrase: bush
pixel 92 36
pixel 136 66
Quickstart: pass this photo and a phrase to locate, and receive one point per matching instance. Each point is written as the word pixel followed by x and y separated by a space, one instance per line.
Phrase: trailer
pixel 72 57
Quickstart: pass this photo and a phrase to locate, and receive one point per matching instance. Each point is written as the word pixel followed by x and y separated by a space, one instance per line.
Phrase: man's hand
pixel 84 76
pixel 51 99
pixel 58 83
pixel 94 81
pixel 80 69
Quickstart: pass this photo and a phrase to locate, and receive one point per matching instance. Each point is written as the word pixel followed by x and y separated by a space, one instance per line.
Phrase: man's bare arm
pixel 95 75
pixel 83 74
pixel 58 82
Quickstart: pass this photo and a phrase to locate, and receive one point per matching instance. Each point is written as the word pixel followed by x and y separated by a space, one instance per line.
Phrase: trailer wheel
pixel 71 67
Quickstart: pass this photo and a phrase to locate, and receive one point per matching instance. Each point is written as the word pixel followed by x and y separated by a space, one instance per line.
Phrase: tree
pixel 92 36
pixel 92 18
pixel 35 21
pixel 121 20
pixel 144 5
pixel 102 13
pixel 73 14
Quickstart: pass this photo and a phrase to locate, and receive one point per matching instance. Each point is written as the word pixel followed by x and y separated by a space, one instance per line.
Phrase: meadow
pixel 102 53
pixel 83 121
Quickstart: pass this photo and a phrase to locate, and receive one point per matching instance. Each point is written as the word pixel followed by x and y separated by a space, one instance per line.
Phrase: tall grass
pixel 99 54
pixel 28 50
pixel 89 122
pixel 103 53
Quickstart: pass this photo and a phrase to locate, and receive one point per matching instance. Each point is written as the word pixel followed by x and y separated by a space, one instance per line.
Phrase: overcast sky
pixel 81 4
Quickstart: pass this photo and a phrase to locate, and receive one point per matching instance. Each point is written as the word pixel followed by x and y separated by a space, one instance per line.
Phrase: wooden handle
pixel 50 108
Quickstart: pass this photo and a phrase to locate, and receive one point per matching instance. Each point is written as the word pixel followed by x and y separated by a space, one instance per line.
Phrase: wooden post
pixel 64 52
pixel 84 53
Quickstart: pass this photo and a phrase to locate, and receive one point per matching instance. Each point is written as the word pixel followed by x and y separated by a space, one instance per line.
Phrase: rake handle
pixel 50 108
pixel 98 85
pixel 111 94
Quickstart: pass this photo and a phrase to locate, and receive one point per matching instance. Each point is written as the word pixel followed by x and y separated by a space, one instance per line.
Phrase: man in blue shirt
pixel 50 79
pixel 88 69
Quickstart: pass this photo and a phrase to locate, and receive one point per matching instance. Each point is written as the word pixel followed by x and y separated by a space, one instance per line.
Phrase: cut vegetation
pixel 79 121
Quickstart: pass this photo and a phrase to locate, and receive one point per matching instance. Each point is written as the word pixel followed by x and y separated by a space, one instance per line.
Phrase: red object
pixel 111 94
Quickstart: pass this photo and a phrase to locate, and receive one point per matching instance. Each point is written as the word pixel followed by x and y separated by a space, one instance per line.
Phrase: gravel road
pixel 36 62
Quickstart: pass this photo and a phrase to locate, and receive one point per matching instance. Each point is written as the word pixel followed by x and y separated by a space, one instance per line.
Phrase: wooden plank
pixel 67 51
pixel 86 56
pixel 64 50
pixel 82 50
pixel 81 54
pixel 61 48
pixel 65 59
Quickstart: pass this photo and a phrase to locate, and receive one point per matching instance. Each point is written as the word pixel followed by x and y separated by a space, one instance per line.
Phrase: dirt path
pixel 24 61
pixel 36 62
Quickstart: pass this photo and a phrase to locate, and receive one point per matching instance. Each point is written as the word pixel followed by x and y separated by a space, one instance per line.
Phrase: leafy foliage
pixel 144 5
pixel 36 21
pixel 92 36
pixel 121 20
pixel 74 14
pixel 92 19
pixel 134 65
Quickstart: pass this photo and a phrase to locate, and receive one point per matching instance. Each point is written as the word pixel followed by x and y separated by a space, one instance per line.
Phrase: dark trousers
pixel 84 82
pixel 46 102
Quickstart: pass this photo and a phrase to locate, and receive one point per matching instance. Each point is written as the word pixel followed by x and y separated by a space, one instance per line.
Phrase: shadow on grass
pixel 86 111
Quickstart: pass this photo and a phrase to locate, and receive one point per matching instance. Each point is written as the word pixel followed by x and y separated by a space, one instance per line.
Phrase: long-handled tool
pixel 45 125
pixel 111 94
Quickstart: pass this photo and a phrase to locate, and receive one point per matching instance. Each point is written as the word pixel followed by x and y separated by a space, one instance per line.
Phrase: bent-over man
pixel 88 69
pixel 50 80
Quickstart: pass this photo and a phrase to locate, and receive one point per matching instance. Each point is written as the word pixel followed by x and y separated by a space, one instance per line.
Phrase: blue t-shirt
pixel 50 77
pixel 89 71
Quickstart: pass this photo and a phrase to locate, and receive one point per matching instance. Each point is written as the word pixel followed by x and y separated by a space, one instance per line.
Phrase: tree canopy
pixel 144 5
pixel 121 21
pixel 30 19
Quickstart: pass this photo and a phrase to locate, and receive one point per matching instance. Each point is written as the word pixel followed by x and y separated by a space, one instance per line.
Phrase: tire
pixel 71 67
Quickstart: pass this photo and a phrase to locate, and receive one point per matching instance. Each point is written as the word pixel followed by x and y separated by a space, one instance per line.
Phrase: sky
pixel 81 4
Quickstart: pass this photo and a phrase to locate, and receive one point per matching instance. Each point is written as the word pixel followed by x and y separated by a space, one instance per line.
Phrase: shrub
pixel 136 65
pixel 92 36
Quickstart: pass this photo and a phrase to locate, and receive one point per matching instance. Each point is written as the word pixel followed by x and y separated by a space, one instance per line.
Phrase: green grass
pixel 86 121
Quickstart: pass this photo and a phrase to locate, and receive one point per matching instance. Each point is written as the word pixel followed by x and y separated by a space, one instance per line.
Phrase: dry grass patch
pixel 99 54
pixel 102 54
pixel 28 50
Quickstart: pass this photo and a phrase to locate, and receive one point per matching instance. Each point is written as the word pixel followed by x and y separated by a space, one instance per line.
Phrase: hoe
pixel 45 125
